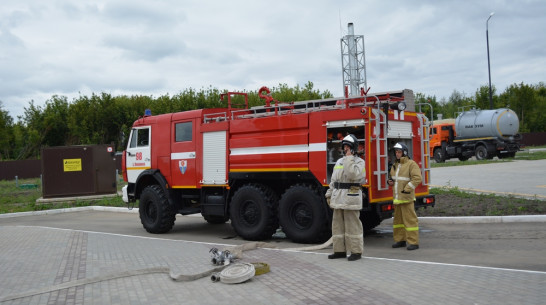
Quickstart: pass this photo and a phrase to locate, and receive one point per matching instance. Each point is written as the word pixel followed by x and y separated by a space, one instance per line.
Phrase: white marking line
pixel 123 235
pixel 288 250
pixel 455 265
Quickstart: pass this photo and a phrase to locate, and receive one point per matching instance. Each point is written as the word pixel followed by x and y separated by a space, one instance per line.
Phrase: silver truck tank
pixel 502 123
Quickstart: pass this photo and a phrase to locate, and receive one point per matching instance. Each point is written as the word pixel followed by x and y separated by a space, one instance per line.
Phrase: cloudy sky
pixel 67 47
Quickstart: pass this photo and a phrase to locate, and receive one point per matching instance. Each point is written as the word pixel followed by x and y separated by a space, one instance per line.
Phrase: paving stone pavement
pixel 34 258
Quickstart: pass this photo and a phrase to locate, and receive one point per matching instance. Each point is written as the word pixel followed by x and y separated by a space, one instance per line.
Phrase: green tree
pixel 456 103
pixel 33 133
pixel 6 134
pixel 20 140
pixel 482 97
pixel 523 100
pixel 284 93
pixel 54 117
pixel 422 102
pixel 98 119
pixel 536 119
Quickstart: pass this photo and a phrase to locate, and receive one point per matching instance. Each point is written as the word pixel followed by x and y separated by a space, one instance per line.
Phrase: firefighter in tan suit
pixel 405 177
pixel 345 197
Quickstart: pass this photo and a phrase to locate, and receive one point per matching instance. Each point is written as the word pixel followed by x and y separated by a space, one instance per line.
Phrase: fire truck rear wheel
pixel 253 212
pixel 302 216
pixel 155 212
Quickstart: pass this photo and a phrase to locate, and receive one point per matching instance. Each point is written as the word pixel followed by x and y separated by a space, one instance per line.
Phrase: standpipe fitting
pixel 220 257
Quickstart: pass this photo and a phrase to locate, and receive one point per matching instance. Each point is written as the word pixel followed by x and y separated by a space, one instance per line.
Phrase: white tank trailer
pixel 484 134
pixel 502 123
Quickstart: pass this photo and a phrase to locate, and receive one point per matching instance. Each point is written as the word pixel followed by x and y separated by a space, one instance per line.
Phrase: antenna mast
pixel 353 63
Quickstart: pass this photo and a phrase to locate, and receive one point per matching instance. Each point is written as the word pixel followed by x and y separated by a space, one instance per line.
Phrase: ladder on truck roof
pixel 295 107
pixel 382 161
pixel 425 148
pixel 242 111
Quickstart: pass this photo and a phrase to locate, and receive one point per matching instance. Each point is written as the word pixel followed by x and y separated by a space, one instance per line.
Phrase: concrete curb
pixel 68 210
pixel 477 219
pixel 483 219
pixel 42 200
pixel 498 193
pixel 422 220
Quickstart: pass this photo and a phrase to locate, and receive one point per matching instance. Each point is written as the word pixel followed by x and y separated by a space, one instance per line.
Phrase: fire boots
pixel 337 255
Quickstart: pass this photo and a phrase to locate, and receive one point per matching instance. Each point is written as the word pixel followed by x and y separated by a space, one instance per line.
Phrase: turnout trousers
pixel 347 231
pixel 405 226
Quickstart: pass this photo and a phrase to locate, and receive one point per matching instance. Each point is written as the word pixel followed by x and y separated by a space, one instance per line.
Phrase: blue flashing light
pixel 147 112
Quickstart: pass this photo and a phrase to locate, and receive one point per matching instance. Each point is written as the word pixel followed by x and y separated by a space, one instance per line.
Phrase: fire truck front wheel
pixel 303 219
pixel 155 212
pixel 253 212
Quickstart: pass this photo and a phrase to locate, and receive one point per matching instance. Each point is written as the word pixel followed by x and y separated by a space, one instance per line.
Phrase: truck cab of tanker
pixel 442 131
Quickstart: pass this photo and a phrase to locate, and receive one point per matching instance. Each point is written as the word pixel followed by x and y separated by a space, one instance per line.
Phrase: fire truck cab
pixel 269 166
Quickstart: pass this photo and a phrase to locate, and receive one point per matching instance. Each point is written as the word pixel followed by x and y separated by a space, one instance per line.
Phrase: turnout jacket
pixel 345 190
pixel 407 176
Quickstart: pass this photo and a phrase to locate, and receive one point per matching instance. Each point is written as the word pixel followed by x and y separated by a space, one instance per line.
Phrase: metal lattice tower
pixel 353 62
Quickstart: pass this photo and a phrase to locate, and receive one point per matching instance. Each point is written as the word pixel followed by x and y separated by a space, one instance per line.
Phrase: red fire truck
pixel 266 167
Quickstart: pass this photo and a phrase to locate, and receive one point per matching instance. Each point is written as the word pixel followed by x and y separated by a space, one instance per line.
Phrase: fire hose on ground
pixel 226 272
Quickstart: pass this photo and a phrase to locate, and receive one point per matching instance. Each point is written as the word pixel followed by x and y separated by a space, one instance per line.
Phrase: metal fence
pixel 23 169
pixel 534 138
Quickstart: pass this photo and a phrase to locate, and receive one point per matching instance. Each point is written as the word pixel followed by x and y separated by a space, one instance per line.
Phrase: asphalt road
pixel 518 178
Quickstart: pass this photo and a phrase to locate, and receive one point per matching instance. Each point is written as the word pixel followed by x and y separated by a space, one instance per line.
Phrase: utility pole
pixel 488 62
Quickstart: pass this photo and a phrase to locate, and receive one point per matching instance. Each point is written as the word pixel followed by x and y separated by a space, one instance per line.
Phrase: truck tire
pixel 156 214
pixel 481 153
pixel 303 215
pixel 438 155
pixel 369 220
pixel 253 212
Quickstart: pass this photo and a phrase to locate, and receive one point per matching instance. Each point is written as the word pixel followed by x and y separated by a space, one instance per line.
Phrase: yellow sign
pixel 72 165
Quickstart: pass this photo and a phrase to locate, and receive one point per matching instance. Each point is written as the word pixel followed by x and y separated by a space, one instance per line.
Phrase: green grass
pixel 20 199
pixel 526 155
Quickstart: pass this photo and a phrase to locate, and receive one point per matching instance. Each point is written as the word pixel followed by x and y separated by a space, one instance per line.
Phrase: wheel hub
pixel 151 210
pixel 250 213
pixel 302 216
